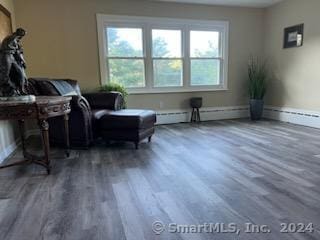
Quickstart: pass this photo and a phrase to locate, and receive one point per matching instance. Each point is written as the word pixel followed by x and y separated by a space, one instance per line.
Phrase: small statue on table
pixel 13 79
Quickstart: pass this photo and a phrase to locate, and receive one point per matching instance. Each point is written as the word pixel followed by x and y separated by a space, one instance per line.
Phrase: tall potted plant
pixel 257 74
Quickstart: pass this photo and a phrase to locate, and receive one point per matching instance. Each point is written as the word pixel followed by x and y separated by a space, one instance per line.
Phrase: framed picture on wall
pixel 5 23
pixel 293 36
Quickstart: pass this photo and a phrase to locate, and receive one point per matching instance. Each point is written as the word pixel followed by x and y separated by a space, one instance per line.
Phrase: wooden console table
pixel 43 108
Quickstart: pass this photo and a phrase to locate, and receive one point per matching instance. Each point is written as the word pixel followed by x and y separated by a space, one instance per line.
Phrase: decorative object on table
pixel 196 104
pixel 114 87
pixel 5 23
pixel 44 108
pixel 293 36
pixel 13 80
pixel 258 75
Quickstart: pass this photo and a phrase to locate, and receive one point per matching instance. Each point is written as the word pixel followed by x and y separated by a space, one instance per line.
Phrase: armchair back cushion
pixel 46 87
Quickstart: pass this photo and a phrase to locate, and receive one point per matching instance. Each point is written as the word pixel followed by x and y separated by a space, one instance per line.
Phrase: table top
pixel 40 100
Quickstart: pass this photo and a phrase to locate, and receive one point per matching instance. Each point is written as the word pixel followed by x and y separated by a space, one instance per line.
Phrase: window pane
pixel 125 42
pixel 166 43
pixel 127 72
pixel 204 44
pixel 167 73
pixel 205 72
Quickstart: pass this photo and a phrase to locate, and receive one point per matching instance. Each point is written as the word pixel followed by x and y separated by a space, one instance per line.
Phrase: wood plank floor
pixel 235 171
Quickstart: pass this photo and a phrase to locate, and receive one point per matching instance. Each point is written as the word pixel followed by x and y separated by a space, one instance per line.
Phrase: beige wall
pixel 62 42
pixel 7 128
pixel 297 76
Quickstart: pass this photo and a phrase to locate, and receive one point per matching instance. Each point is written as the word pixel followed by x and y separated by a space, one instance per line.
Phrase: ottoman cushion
pixel 128 119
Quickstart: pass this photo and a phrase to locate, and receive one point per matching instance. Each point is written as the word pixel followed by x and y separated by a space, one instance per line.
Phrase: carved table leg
pixel 66 132
pixel 44 127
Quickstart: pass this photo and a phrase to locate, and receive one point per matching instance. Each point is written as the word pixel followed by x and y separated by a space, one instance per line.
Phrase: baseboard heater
pixel 207 114
pixel 292 115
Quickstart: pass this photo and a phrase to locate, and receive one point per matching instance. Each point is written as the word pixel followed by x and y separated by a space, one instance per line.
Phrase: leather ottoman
pixel 132 125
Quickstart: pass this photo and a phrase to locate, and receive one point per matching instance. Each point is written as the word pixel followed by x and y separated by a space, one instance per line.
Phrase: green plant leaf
pixel 115 87
pixel 257 78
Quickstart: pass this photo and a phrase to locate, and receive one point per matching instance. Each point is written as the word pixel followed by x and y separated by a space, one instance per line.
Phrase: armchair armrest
pixel 105 100
pixel 79 102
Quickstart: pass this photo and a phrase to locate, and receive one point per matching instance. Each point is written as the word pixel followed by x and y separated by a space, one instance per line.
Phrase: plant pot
pixel 196 102
pixel 256 109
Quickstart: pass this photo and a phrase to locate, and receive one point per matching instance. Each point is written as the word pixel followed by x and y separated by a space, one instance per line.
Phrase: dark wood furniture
pixel 132 125
pixel 42 109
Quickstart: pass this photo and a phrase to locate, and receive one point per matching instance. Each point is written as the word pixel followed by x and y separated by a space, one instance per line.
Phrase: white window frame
pixel 149 23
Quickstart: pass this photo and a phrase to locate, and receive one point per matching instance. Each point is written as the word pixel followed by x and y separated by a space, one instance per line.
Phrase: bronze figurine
pixel 13 79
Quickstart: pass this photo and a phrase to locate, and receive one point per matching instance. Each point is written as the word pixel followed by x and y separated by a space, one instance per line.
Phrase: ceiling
pixel 240 3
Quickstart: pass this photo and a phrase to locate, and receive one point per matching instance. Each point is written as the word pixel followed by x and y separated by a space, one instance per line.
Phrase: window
pixel 163 55
pixel 167 61
pixel 125 58
pixel 205 58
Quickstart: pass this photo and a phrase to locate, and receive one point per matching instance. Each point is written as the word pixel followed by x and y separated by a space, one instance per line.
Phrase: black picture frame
pixel 293 36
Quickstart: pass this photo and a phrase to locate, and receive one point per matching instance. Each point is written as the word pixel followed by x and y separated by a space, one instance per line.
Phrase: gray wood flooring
pixel 222 172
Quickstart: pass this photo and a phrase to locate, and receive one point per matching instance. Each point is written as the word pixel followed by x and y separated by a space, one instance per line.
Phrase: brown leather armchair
pixel 85 109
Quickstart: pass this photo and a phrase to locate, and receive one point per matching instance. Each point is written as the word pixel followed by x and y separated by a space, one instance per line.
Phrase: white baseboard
pixel 207 114
pixel 13 146
pixel 6 152
pixel 293 115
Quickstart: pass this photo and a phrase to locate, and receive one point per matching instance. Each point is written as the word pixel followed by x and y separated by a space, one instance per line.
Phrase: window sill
pixel 157 91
